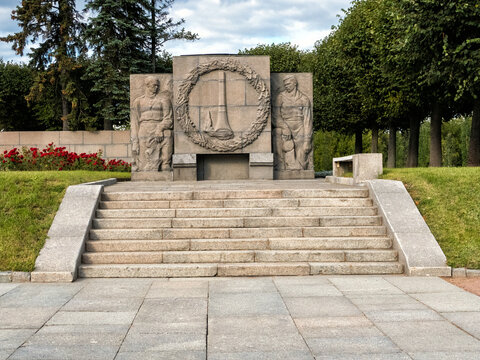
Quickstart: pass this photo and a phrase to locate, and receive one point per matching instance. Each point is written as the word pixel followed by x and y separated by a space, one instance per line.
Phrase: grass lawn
pixel 449 200
pixel 28 203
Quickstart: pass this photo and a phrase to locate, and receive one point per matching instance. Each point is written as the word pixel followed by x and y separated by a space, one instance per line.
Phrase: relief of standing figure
pixel 152 129
pixel 293 128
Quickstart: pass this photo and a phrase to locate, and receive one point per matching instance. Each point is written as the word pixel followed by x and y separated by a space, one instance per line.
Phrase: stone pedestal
pixel 184 167
pixel 152 176
pixel 294 174
pixel 261 166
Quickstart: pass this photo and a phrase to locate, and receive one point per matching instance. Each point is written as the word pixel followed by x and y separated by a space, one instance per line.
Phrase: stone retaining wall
pixel 113 144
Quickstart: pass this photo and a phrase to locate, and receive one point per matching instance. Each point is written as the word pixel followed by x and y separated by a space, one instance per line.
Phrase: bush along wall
pixel 57 158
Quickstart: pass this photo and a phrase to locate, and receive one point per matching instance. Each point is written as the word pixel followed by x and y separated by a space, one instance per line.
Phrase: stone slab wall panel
pixel 113 144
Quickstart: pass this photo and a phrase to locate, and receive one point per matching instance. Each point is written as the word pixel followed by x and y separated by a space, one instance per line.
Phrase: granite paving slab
pixel 298 318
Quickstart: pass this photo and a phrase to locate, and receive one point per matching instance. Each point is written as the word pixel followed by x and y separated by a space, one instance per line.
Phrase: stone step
pixel 237 203
pixel 324 255
pixel 326 211
pixel 335 202
pixel 264 269
pixel 326 193
pixel 223 212
pixel 136 213
pixel 146 270
pixel 328 243
pixel 136 223
pixel 136 245
pixel 356 268
pixel 168 257
pixel 162 204
pixel 239 244
pixel 232 233
pixel 237 269
pixel 283 212
pixel 158 223
pixel 142 257
pixel 235 194
pixel 175 257
pixel 235 212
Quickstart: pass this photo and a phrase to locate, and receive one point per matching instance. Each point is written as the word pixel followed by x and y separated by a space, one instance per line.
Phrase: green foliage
pixel 330 144
pixel 127 37
pixel 284 57
pixel 57 158
pixel 57 25
pixel 392 62
pixel 15 83
pixel 28 203
pixel 455 139
pixel 451 212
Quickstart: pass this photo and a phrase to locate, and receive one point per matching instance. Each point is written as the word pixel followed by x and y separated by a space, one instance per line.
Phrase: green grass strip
pixel 29 201
pixel 449 201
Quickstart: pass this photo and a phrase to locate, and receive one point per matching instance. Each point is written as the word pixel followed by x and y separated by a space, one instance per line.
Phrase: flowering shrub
pixel 57 158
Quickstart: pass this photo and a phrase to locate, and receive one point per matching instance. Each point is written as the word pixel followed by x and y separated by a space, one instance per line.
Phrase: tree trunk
pixel 412 159
pixel 436 136
pixel 358 142
pixel 154 38
pixel 474 146
pixel 66 125
pixel 107 121
pixel 392 146
pixel 374 148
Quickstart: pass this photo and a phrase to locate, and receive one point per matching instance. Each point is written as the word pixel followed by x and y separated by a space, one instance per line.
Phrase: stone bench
pixel 363 166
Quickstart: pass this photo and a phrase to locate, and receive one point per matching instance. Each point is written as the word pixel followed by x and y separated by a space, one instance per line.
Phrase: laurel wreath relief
pixel 203 139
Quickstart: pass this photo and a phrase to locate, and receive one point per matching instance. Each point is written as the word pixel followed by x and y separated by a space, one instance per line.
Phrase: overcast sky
pixel 226 26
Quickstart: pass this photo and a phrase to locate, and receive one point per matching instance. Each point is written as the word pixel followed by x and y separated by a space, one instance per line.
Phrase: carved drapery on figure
pixel 292 128
pixel 213 140
pixel 152 128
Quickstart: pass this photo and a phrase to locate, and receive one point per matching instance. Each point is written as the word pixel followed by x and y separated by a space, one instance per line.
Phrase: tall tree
pixel 56 25
pixel 15 83
pixel 127 37
pixel 462 58
pixel 117 33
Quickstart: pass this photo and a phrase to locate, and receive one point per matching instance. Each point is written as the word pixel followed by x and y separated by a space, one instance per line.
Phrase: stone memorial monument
pixel 221 117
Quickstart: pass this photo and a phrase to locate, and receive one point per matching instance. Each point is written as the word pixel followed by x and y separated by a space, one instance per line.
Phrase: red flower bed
pixel 58 158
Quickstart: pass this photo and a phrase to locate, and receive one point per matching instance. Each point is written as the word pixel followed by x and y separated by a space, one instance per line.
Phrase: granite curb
pixel 417 247
pixel 60 256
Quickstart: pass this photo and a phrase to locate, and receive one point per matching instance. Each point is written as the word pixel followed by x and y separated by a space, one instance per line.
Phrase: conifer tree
pixel 117 33
pixel 126 37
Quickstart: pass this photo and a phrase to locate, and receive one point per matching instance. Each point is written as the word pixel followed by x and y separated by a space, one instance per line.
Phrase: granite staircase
pixel 248 232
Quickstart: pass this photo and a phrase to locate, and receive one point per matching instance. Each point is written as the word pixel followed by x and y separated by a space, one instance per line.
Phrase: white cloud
pixel 225 26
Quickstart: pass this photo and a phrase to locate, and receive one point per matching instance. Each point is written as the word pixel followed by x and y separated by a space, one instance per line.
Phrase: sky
pixel 226 26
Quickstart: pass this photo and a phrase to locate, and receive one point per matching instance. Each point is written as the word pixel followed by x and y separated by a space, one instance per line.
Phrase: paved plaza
pixel 316 317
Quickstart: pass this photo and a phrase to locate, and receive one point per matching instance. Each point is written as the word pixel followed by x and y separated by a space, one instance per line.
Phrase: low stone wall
pixel 113 144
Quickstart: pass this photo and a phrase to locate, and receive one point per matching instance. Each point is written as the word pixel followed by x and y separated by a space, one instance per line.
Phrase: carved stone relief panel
pixel 151 122
pixel 292 123
pixel 222 104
